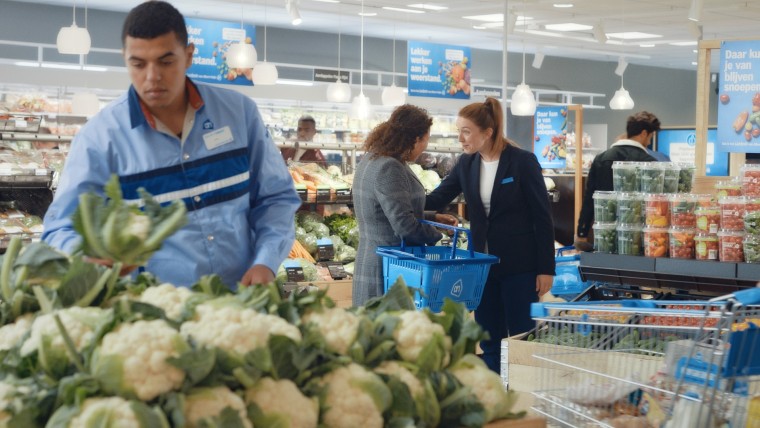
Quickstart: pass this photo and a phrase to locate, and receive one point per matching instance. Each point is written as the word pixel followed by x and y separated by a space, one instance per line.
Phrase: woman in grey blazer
pixel 388 197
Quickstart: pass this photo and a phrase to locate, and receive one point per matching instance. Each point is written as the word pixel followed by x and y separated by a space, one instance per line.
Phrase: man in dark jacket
pixel 640 129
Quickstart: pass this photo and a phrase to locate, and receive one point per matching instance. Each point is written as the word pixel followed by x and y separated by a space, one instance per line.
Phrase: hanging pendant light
pixel 622 99
pixel 338 92
pixel 523 101
pixel 74 40
pixel 241 54
pixel 361 108
pixel 393 96
pixel 265 73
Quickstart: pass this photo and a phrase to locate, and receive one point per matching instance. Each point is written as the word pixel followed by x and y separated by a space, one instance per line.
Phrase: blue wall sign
pixel 679 144
pixel 211 40
pixel 549 135
pixel 439 71
pixel 739 97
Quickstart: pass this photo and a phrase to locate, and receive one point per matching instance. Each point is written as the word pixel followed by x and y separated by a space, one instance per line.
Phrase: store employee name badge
pixel 217 138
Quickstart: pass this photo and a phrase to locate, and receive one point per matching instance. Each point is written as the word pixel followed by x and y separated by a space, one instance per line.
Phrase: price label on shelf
pixel 294 271
pixel 41 171
pixel 20 123
pixel 325 249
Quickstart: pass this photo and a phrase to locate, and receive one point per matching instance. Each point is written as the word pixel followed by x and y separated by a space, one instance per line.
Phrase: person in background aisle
pixel 640 128
pixel 388 197
pixel 307 129
pixel 204 145
pixel 510 218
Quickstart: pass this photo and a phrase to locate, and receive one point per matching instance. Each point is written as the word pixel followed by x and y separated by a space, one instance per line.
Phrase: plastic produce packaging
pixel 706 247
pixel 732 210
pixel 605 206
pixel 630 208
pixel 652 177
pixel 752 223
pixel 629 240
pixel 657 210
pixel 753 204
pixel 605 237
pixel 750 179
pixel 728 188
pixel 625 176
pixel 681 243
pixel 686 177
pixel 731 244
pixel 656 241
pixel 672 177
pixel 708 219
pixel 752 249
pixel 682 207
pixel 705 201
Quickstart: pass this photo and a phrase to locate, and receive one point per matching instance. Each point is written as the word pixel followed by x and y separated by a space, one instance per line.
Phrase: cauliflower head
pixel 394 368
pixel 115 412
pixel 426 405
pixel 10 402
pixel 485 384
pixel 131 359
pixel 202 403
pixel 416 335
pixel 80 324
pixel 234 329
pixel 338 326
pixel 167 297
pixel 354 397
pixel 11 334
pixel 281 403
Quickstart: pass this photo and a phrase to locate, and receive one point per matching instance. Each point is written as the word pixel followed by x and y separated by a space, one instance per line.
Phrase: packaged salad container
pixel 708 219
pixel 605 206
pixel 728 188
pixel 681 242
pixel 750 179
pixel 732 210
pixel 706 246
pixel 656 241
pixel 629 240
pixel 630 208
pixel 731 246
pixel 686 177
pixel 672 175
pixel 652 177
pixel 752 249
pixel 682 207
pixel 625 176
pixel 605 237
pixel 657 210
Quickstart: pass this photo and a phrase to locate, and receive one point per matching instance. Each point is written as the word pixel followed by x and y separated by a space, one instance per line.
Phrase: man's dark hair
pixel 307 119
pixel 153 19
pixel 642 121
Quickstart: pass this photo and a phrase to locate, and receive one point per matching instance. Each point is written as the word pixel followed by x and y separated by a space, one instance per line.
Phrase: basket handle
pixel 456 229
pixel 396 254
pixel 563 249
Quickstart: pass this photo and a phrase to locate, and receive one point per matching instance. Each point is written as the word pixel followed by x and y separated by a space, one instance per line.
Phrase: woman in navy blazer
pixel 510 218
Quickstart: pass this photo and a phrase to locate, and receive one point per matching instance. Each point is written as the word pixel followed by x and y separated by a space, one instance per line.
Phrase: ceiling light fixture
pixel 361 108
pixel 265 73
pixel 622 65
pixel 295 15
pixel 74 40
pixel 568 26
pixel 339 91
pixel 563 5
pixel 393 96
pixel 428 6
pixel 695 11
pixel 523 101
pixel 599 34
pixel 401 9
pixel 622 99
pixel 241 54
pixel 538 60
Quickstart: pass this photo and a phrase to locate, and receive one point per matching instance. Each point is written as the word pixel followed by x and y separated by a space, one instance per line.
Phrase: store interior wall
pixel 669 93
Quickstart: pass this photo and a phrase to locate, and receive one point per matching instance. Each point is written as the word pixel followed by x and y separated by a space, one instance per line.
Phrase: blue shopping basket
pixel 567 281
pixel 437 272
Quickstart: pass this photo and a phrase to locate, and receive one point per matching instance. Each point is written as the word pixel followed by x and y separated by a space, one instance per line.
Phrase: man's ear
pixel 189 51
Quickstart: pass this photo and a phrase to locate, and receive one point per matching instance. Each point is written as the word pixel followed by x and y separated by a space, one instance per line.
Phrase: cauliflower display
pixel 9 402
pixel 167 297
pixel 281 403
pixel 394 368
pixel 354 397
pixel 485 384
pixel 338 327
pixel 115 412
pixel 417 336
pixel 234 329
pixel 206 403
pixel 10 334
pixel 131 359
pixel 425 402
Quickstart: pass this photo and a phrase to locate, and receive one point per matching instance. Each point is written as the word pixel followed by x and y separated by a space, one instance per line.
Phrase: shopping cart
pixel 685 364
pixel 437 272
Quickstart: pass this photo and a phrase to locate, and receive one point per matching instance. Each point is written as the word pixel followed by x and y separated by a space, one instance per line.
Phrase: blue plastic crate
pixel 437 272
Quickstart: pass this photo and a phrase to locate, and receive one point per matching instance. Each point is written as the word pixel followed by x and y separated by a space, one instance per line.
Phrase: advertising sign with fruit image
pixel 212 39
pixel 739 97
pixel 549 136
pixel 440 71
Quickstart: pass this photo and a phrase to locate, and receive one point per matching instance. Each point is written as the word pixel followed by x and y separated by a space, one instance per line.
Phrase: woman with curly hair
pixel 388 197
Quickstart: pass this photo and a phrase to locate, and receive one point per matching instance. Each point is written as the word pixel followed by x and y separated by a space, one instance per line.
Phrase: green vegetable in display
pixel 605 206
pixel 113 230
pixel 752 223
pixel 752 249
pixel 605 239
pixel 625 177
pixel 630 209
pixel 672 177
pixel 629 240
pixel 652 178
pixel 685 179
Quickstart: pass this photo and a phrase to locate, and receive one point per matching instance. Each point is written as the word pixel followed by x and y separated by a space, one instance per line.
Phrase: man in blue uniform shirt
pixel 204 145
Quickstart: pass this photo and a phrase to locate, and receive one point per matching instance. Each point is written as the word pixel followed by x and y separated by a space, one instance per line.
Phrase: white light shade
pixel 85 104
pixel 361 108
pixel 338 92
pixel 523 101
pixel 265 73
pixel 73 40
pixel 622 100
pixel 241 55
pixel 393 96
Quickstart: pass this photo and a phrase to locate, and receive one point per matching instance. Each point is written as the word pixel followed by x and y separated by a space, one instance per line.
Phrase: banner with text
pixel 212 39
pixel 739 95
pixel 549 136
pixel 439 71
pixel 680 144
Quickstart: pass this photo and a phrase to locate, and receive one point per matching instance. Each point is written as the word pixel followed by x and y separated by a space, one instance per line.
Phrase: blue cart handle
pixel 456 229
pixel 396 254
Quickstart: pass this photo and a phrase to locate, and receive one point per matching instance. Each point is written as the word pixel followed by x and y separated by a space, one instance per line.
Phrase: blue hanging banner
pixel 739 97
pixel 439 71
pixel 680 143
pixel 211 40
pixel 549 136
